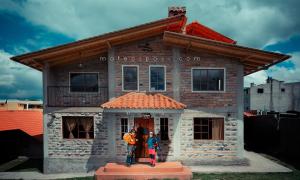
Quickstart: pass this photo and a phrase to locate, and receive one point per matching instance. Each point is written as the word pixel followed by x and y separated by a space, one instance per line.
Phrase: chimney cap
pixel 176 10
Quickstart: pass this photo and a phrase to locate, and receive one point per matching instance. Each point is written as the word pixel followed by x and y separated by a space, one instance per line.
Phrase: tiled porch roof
pixel 142 100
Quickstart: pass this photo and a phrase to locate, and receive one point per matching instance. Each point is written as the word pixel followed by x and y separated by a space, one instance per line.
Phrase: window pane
pixel 208 79
pixel 164 128
pixel 157 78
pixel 130 78
pixel 84 82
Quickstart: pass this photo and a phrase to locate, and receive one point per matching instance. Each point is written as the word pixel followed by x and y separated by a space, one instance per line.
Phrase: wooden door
pixel 143 127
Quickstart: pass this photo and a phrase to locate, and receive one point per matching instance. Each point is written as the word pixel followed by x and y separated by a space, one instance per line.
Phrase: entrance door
pixel 143 127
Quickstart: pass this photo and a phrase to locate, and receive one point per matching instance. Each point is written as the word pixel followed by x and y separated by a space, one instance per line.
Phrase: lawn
pixel 236 176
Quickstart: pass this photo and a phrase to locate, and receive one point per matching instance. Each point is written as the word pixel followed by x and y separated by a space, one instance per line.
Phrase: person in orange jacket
pixel 130 139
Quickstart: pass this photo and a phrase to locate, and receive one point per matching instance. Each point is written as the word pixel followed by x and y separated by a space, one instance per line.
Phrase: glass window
pixel 164 129
pixel 260 90
pixel 84 82
pixel 209 128
pixel 208 79
pixel 130 78
pixel 78 127
pixel 124 126
pixel 157 78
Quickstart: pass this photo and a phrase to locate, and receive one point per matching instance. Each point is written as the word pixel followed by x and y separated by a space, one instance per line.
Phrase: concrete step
pixel 171 170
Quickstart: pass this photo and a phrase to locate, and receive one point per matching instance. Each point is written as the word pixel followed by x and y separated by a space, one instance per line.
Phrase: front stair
pixel 170 170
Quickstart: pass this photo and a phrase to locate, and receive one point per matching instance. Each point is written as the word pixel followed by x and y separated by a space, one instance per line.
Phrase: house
pixel 12 104
pixel 21 134
pixel 182 81
pixel 275 96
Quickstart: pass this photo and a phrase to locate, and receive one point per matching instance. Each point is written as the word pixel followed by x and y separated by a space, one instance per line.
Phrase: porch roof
pixel 142 100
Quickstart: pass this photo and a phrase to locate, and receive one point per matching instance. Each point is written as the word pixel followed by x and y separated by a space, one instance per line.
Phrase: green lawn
pixel 237 176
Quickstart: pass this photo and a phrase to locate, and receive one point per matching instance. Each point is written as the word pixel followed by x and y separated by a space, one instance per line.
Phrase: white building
pixel 275 95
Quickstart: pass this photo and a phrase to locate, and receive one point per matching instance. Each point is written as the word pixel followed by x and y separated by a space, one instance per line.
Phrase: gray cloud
pixel 18 81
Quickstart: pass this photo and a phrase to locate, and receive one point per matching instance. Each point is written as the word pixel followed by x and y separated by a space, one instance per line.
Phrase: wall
pixel 87 153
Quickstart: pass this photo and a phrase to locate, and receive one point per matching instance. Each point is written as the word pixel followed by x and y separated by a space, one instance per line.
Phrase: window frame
pixel 220 117
pixel 207 68
pixel 69 139
pixel 160 125
pixel 138 78
pixel 76 92
pixel 258 89
pixel 165 78
pixel 122 125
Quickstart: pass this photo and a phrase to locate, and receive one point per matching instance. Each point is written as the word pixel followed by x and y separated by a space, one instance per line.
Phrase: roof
pixel 252 59
pixel 31 122
pixel 95 46
pixel 197 37
pixel 199 30
pixel 141 100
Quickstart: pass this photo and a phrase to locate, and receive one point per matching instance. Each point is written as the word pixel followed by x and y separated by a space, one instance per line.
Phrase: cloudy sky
pixel 29 25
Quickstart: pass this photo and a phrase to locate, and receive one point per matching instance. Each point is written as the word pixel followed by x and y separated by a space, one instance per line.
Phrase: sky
pixel 30 25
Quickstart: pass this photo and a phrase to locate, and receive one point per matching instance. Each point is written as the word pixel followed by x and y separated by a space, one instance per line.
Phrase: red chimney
pixel 175 10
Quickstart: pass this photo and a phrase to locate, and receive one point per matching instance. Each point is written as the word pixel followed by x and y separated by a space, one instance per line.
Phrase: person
pixel 130 139
pixel 152 146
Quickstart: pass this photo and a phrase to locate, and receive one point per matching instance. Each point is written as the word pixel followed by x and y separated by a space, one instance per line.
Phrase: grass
pixel 295 175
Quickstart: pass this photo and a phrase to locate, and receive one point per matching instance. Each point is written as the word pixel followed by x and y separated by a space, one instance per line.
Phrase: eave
pixel 98 45
pixel 253 59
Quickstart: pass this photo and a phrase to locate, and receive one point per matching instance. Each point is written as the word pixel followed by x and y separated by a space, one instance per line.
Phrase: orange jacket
pixel 129 138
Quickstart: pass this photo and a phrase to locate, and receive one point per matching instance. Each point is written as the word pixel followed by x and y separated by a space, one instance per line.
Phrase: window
pixel 164 129
pixel 208 79
pixel 78 127
pixel 260 90
pixel 84 82
pixel 157 78
pixel 282 89
pixel 124 126
pixel 130 78
pixel 209 128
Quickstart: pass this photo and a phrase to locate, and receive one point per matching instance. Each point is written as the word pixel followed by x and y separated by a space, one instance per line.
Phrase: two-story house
pixel 182 81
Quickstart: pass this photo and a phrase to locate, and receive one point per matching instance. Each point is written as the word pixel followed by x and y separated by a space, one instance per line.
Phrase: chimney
pixel 176 10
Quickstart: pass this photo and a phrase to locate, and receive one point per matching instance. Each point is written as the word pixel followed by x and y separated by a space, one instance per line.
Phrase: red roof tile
pixel 249 114
pixel 141 100
pixel 197 29
pixel 31 122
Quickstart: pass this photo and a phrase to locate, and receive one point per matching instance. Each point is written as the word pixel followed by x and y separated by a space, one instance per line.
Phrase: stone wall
pixel 85 152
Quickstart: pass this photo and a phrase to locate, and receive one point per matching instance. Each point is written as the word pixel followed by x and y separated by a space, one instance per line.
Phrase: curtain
pixel 87 124
pixel 70 123
pixel 217 129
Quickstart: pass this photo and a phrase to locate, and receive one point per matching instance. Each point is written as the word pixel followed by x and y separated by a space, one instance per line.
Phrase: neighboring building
pixel 273 96
pixel 184 82
pixel 20 105
pixel 21 134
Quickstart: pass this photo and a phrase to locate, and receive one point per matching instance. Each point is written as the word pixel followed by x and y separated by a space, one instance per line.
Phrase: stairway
pixel 170 170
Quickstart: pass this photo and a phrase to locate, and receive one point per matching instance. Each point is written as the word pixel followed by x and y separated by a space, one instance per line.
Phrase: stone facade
pixel 63 155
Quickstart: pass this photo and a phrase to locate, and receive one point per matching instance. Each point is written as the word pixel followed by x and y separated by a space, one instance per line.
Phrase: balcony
pixel 62 96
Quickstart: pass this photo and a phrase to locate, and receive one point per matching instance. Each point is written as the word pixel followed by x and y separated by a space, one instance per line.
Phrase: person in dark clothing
pixel 152 146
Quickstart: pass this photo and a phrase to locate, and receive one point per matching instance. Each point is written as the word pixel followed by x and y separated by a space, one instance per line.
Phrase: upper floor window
pixel 209 128
pixel 157 78
pixel 208 79
pixel 84 82
pixel 130 78
pixel 260 90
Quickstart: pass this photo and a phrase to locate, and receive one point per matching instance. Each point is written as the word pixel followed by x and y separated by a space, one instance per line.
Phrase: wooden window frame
pixel 210 119
pixel 165 78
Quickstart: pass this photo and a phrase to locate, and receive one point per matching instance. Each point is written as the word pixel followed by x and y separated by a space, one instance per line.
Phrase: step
pixel 170 170
pixel 160 167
